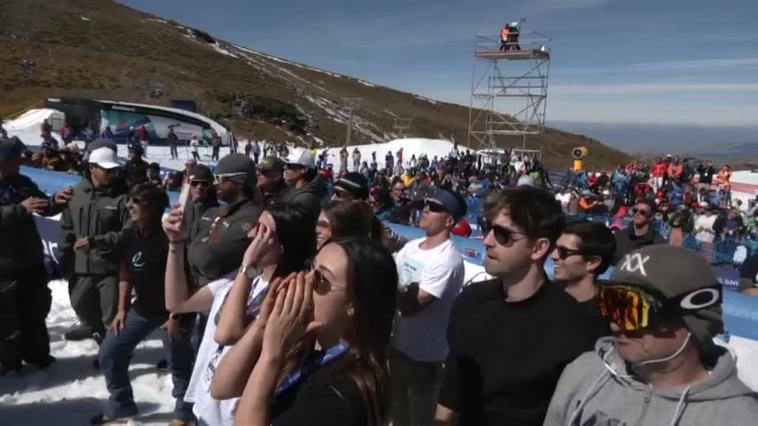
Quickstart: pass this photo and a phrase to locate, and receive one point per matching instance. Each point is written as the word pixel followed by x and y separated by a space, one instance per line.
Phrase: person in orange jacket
pixel 504 33
pixel 675 170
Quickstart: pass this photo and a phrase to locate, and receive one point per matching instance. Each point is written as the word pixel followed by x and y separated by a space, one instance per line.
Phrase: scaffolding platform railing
pixel 530 45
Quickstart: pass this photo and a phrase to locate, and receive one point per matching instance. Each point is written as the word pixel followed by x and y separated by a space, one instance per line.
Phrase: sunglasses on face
pixel 222 177
pixel 322 286
pixel 503 235
pixel 565 252
pixel 200 183
pixel 632 308
pixel 434 206
pixel 643 212
pixel 341 194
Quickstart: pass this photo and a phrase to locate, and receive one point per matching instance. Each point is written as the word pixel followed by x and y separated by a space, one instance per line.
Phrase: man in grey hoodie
pixel 661 367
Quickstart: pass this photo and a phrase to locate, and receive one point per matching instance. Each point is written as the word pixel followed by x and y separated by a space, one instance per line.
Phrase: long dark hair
pixel 154 199
pixel 372 288
pixel 294 232
pixel 351 219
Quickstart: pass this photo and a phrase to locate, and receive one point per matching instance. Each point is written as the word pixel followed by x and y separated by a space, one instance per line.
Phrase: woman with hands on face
pixel 326 334
pixel 281 242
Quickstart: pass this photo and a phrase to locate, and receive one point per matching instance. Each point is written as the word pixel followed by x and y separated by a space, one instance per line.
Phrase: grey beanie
pixel 674 271
pixel 239 163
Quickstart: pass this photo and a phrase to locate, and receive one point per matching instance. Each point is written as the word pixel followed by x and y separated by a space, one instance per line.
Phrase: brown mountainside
pixel 102 49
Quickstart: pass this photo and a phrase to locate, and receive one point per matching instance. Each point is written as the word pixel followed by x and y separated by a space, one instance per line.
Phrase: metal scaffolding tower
pixel 508 88
pixel 401 126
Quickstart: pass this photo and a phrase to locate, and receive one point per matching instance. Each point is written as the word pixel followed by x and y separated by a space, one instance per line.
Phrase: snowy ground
pixel 71 390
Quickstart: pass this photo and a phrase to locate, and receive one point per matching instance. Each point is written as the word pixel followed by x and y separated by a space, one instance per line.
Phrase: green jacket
pixel 99 213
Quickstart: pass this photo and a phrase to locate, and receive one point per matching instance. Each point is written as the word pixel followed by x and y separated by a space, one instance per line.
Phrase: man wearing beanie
pixel 430 271
pixel 221 241
pixel 351 186
pixel 661 367
pixel 271 179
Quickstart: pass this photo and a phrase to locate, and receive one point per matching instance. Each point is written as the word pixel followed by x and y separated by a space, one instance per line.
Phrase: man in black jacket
pixel 640 233
pixel 135 170
pixel 202 198
pixel 306 187
pixel 90 229
pixel 24 296
pixel 217 248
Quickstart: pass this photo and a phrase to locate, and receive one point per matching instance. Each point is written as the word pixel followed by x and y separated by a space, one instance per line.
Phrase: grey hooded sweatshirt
pixel 597 390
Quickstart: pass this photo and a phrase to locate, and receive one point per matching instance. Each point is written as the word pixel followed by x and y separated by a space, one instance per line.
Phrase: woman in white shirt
pixel 282 242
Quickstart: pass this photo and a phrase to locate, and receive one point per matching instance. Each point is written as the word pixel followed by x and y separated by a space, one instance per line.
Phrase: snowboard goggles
pixel 633 308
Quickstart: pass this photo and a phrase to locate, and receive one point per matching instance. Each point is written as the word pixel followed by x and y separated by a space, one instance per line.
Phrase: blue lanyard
pixel 301 373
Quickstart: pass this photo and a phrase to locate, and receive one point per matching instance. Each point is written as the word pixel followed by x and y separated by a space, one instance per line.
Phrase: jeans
pixel 114 364
pixel 415 387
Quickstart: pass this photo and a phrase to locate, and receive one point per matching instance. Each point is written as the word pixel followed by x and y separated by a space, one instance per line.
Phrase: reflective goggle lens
pixel 628 307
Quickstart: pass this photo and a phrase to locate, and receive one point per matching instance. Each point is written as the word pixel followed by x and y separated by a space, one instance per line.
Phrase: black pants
pixel 195 155
pixel 95 300
pixel 174 151
pixel 24 304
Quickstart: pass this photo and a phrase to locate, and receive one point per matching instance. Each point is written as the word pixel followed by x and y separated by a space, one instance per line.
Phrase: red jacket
pixel 659 169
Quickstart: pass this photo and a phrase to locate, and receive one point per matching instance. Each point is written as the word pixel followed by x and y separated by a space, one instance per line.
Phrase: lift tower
pixel 508 88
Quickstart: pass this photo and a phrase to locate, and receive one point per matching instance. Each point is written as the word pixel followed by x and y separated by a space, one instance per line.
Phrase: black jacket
pixel 99 213
pixel 195 210
pixel 626 241
pixel 218 248
pixel 309 196
pixel 21 247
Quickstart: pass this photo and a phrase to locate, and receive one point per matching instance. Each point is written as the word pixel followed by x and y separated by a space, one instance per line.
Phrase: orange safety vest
pixel 504 33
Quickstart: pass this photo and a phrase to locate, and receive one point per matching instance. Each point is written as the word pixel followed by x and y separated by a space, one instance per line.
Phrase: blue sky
pixel 667 61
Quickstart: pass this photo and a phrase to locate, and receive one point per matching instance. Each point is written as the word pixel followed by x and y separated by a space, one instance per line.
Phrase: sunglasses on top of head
pixel 222 177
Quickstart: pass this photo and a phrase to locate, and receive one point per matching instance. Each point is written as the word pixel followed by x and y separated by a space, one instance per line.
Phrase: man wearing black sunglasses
pixel 431 272
pixel 640 232
pixel 202 198
pixel 511 336
pixel 220 237
pixel 581 254
pixel 661 366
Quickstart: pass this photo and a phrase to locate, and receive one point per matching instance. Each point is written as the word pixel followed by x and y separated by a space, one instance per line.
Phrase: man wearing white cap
pixel 305 185
pixel 90 228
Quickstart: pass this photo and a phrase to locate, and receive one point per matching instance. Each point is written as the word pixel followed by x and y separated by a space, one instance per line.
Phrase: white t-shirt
pixel 194 144
pixel 563 198
pixel 213 411
pixel 439 272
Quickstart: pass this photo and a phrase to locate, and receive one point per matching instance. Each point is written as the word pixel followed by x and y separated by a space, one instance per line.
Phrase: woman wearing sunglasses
pixel 322 357
pixel 282 242
pixel 143 249
pixel 342 219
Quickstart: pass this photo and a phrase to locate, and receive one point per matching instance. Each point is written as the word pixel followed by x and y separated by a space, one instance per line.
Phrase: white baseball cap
pixel 104 157
pixel 300 156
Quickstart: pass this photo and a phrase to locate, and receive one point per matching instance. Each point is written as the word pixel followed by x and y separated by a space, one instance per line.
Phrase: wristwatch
pixel 249 271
